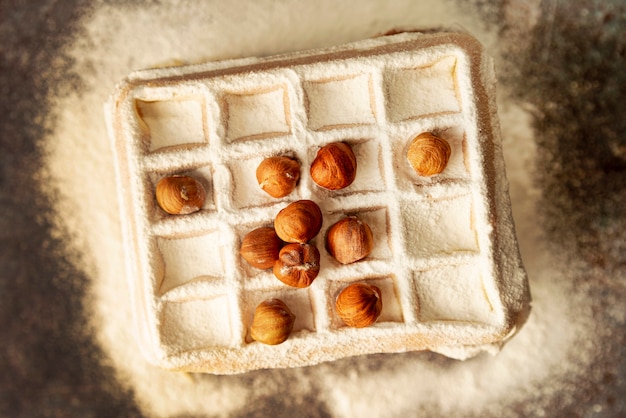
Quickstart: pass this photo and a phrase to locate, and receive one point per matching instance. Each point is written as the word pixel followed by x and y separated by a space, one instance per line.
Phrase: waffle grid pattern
pixel 205 293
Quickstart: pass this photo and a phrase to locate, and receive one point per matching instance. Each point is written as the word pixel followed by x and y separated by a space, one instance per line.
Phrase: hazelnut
pixel 260 247
pixel 272 322
pixel 428 154
pixel 299 222
pixel 349 240
pixel 278 176
pixel 297 265
pixel 180 195
pixel 334 166
pixel 359 305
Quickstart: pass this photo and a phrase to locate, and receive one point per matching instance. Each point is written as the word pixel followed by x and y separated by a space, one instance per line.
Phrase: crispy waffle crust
pixel 445 255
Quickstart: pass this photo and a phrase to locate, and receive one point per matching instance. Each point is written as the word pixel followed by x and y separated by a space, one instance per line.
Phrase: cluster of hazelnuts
pixel 286 247
pixel 297 263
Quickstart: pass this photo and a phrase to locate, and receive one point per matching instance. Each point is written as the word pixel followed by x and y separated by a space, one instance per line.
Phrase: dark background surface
pixel 50 365
pixel 571 69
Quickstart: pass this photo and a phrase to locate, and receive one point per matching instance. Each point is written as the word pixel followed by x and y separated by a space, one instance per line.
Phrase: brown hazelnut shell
pixel 272 323
pixel 297 265
pixel 334 166
pixel 278 175
pixel 260 247
pixel 180 195
pixel 349 240
pixel 428 154
pixel 298 222
pixel 359 304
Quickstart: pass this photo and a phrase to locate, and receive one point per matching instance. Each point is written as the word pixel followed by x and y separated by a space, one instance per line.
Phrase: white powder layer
pixel 406 384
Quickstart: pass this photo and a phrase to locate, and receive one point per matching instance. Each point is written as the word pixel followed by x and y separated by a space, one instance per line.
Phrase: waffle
pixel 445 256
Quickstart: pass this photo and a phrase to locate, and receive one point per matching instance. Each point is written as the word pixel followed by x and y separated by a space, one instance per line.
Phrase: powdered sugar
pixel 539 351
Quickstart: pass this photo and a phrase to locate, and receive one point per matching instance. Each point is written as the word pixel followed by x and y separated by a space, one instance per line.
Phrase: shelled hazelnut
pixel 428 154
pixel 297 265
pixel 359 305
pixel 260 247
pixel 272 323
pixel 298 222
pixel 278 175
pixel 180 195
pixel 334 166
pixel 349 240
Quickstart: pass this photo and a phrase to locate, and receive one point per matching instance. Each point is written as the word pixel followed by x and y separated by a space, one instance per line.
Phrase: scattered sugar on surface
pixel 120 39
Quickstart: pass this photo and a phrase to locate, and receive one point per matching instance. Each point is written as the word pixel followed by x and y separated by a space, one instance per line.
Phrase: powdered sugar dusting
pixel 484 386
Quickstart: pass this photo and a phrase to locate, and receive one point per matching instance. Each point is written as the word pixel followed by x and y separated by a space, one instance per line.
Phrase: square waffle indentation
pixel 439 227
pixel 424 91
pixel 185 259
pixel 340 102
pixel 257 115
pixel 196 324
pixel 453 293
pixel 171 123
